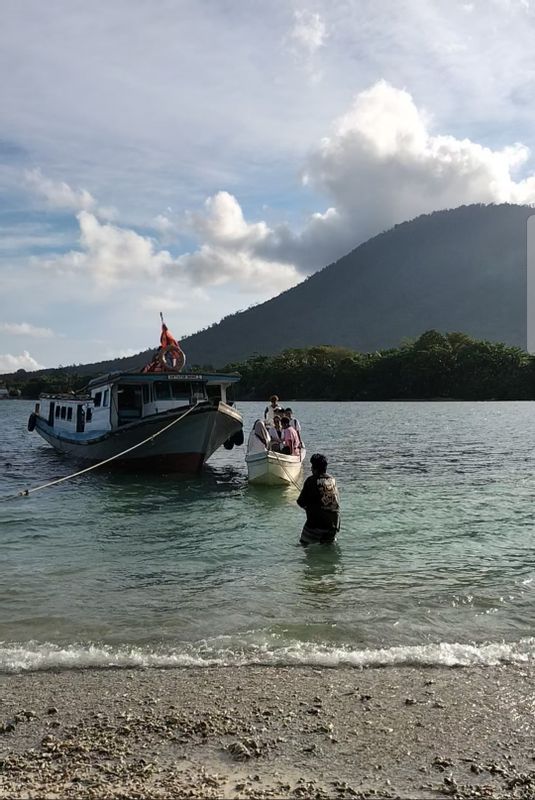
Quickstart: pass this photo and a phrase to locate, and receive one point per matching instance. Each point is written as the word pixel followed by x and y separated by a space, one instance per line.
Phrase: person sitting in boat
pixel 272 409
pixel 294 423
pixel 259 438
pixel 275 433
pixel 292 445
pixel 320 499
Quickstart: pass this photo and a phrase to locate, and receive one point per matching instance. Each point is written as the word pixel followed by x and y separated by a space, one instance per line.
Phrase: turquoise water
pixel 435 562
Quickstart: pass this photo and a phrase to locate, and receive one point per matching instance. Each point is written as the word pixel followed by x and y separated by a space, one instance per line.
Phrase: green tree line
pixel 436 365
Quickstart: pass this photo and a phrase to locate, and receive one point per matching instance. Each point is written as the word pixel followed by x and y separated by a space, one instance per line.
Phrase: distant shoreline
pixel 266 732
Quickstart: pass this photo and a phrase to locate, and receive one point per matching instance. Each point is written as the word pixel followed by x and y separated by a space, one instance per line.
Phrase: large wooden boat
pixel 159 418
pixel 123 409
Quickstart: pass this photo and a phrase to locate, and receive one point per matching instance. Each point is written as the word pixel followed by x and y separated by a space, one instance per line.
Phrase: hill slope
pixel 457 270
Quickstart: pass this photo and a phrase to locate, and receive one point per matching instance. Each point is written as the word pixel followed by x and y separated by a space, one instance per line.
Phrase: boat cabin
pixel 118 399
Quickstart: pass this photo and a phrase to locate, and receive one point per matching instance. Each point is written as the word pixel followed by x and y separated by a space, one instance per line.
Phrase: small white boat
pixel 274 469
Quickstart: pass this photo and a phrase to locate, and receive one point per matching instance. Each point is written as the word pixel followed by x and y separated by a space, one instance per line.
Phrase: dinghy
pixel 269 467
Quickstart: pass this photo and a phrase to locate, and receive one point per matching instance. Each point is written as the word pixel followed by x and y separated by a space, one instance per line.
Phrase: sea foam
pixel 227 652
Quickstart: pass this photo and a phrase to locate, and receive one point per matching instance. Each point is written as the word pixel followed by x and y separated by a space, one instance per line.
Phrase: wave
pixel 233 652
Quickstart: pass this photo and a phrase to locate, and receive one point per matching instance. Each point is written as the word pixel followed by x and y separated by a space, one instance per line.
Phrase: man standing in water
pixel 319 497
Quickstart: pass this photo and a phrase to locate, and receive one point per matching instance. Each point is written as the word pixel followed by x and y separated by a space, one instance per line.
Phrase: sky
pixel 197 157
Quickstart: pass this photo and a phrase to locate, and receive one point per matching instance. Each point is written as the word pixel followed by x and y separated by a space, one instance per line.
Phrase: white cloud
pixel 381 165
pixel 309 30
pixel 215 265
pixel 223 223
pixel 10 363
pixel 110 254
pixel 164 225
pixel 59 194
pixel 230 249
pixel 25 329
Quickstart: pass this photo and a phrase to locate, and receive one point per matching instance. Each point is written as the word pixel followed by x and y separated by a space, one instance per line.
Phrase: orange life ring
pixel 178 357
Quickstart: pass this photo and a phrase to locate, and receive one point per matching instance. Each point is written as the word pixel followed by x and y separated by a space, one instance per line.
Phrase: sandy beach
pixel 256 732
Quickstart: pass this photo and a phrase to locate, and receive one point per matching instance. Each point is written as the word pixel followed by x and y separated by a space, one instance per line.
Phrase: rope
pixel 281 463
pixel 27 492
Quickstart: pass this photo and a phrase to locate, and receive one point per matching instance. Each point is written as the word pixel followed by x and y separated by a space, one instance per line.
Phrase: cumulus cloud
pixel 111 254
pixel 231 249
pixel 61 196
pixel 25 329
pixel 381 165
pixel 10 363
pixel 164 226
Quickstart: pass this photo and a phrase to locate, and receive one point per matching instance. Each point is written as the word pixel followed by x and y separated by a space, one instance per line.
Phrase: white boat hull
pixel 274 469
pixel 183 448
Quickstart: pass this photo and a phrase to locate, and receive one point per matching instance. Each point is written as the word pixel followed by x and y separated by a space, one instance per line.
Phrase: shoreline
pixel 269 732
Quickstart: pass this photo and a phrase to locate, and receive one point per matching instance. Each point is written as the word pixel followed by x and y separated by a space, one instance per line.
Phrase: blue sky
pixel 199 157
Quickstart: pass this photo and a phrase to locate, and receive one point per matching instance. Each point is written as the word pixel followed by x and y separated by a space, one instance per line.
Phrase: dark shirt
pixel 319 497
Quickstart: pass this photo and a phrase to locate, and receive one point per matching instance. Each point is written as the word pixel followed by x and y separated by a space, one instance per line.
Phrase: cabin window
pixel 69 414
pixel 162 390
pixel 180 391
pixel 146 393
pixel 98 399
pixel 89 415
pixel 58 409
pixel 198 391
pixel 106 397
pixel 63 412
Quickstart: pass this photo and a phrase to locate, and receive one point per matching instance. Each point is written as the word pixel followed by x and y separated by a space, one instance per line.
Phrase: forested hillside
pixel 463 269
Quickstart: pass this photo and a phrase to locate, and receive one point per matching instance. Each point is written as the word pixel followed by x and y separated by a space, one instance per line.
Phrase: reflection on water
pixel 323 569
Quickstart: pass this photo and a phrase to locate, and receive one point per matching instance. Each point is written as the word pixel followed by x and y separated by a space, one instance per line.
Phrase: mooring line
pixel 27 492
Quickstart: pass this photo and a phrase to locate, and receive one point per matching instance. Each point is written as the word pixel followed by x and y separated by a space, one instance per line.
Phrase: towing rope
pixel 281 463
pixel 151 438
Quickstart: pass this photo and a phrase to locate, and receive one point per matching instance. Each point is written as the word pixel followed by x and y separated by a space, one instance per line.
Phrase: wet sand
pixel 266 732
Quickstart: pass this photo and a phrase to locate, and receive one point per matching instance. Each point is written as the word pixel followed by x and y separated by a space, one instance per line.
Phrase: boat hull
pixel 183 448
pixel 274 469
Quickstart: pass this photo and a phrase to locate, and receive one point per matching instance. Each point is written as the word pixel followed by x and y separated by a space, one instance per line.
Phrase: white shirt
pixel 270 412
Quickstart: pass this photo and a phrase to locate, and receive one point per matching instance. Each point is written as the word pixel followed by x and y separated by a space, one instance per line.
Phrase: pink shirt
pixel 291 440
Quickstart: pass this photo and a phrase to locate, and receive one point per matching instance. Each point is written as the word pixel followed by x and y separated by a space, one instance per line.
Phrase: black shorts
pixel 311 535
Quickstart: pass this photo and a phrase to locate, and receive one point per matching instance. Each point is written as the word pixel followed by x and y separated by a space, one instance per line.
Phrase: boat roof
pixel 210 378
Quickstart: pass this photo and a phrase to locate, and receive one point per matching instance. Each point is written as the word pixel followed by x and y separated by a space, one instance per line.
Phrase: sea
pixel 434 563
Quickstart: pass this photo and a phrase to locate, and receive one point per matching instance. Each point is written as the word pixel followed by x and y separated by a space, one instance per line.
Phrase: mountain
pixel 457 270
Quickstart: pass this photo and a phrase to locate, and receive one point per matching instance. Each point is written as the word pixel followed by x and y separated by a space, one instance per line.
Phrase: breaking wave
pixel 234 652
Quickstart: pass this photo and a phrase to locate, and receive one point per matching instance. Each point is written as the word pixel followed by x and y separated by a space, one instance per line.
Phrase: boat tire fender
pixel 32 419
pixel 229 444
pixel 237 438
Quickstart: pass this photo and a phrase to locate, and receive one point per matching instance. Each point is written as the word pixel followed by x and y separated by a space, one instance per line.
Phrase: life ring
pixel 32 419
pixel 178 357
